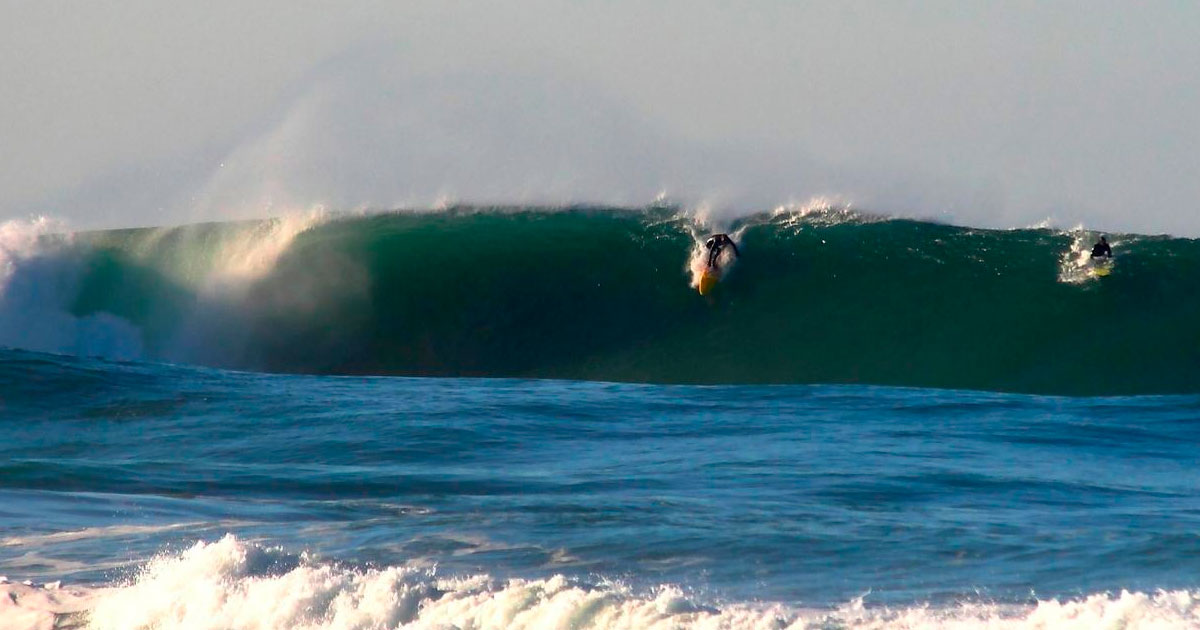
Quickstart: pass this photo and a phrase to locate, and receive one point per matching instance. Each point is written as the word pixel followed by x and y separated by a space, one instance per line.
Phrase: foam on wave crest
pixel 48 274
pixel 39 276
pixel 822 294
pixel 1076 265
pixel 233 585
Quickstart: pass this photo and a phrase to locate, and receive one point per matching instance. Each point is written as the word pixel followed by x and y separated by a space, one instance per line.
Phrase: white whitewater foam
pixel 42 264
pixel 1045 224
pixel 698 261
pixel 37 284
pixel 1075 265
pixel 48 607
pixel 232 585
pixel 21 240
pixel 819 211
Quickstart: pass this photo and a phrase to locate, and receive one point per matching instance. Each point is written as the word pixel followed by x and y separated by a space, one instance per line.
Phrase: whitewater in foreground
pixel 528 418
pixel 145 495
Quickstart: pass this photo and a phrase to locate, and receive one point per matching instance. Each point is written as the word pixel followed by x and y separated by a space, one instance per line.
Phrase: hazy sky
pixel 986 113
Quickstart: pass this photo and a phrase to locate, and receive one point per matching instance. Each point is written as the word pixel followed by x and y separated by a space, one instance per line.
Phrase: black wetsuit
pixel 716 244
pixel 1101 250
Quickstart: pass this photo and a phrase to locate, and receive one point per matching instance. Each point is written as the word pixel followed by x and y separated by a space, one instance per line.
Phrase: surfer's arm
pixel 735 249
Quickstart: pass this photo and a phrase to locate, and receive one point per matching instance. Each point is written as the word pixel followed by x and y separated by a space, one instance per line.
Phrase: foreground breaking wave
pixel 233 584
pixel 820 297
pixel 582 505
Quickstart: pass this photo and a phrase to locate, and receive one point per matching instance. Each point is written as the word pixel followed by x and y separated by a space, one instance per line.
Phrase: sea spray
pixel 523 503
pixel 22 239
pixel 232 584
pixel 39 277
pixel 822 294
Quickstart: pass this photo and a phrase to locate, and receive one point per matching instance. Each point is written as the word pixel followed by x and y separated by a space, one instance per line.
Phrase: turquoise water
pixel 603 294
pixel 529 419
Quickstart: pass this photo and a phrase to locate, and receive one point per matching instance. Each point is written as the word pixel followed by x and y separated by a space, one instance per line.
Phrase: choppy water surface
pixel 440 501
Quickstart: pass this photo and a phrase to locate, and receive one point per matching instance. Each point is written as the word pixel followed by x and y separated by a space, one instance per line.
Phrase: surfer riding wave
pixel 715 245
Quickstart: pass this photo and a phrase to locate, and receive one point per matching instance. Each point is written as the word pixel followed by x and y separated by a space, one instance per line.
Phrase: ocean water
pixel 821 295
pixel 195 435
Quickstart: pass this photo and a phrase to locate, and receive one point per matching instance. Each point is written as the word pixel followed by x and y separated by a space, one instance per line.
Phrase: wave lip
pixel 822 294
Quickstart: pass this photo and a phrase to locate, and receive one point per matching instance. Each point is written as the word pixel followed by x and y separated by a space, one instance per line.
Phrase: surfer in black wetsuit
pixel 715 245
pixel 1101 249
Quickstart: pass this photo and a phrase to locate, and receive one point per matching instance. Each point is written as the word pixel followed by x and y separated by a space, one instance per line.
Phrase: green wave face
pixel 605 295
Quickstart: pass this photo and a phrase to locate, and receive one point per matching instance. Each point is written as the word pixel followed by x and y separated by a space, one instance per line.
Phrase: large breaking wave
pixel 821 296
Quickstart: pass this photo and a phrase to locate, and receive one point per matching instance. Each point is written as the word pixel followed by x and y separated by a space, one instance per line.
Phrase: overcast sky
pixel 987 113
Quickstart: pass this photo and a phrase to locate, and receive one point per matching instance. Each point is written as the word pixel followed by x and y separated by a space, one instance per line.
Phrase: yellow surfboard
pixel 708 281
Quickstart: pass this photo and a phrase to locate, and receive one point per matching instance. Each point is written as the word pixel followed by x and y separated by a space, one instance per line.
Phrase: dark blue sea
pixel 528 419
pixel 148 495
